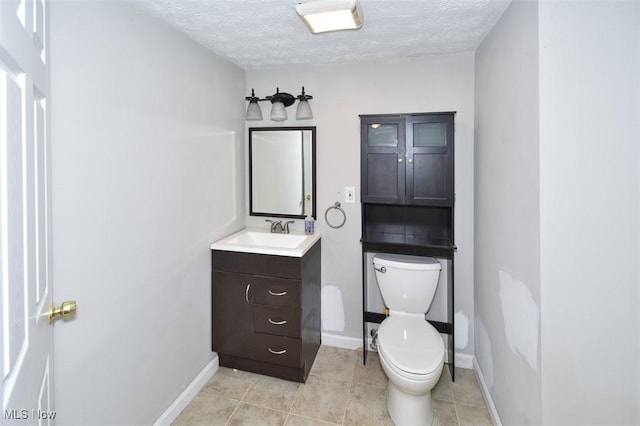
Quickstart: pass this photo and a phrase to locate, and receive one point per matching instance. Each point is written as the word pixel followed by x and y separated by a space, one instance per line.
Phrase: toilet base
pixel 408 410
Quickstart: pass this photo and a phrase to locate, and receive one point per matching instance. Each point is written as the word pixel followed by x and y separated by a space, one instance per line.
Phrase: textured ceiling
pixel 258 34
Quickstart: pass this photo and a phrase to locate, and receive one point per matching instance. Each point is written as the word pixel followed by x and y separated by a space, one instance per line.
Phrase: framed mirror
pixel 282 171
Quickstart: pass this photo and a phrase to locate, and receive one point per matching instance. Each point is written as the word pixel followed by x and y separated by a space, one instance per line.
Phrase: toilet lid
pixel 402 261
pixel 410 344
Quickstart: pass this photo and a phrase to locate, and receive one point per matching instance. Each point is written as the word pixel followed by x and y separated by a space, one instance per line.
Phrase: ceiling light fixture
pixel 279 103
pixel 331 15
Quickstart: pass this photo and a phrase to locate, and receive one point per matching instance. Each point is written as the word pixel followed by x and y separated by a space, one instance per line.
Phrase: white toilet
pixel 411 351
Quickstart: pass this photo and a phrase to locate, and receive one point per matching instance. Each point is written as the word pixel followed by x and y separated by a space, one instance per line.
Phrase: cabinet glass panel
pixel 429 134
pixel 382 134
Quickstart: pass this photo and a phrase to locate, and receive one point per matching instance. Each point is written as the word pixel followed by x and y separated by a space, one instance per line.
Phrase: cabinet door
pixel 429 151
pixel 232 316
pixel 383 159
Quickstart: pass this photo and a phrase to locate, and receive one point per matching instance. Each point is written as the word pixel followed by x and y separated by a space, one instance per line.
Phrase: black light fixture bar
pixel 279 101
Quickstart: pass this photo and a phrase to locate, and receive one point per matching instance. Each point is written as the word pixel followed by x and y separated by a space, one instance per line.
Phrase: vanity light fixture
pixel 253 110
pixel 304 109
pixel 279 103
pixel 331 15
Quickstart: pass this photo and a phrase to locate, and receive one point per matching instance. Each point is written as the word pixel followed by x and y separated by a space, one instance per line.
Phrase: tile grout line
pixel 346 405
pixel 241 399
pixel 455 409
pixel 233 412
pixel 295 398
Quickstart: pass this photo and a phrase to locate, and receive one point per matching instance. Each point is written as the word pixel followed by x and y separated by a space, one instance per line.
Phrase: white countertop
pixel 261 241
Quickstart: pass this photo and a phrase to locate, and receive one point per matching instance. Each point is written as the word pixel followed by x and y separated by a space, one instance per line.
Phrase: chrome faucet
pixel 276 227
pixel 285 228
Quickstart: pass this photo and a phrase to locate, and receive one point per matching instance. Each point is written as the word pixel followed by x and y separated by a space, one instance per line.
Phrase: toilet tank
pixel 407 283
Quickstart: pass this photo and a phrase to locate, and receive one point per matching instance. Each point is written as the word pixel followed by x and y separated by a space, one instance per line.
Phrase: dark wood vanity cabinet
pixel 407 159
pixel 266 312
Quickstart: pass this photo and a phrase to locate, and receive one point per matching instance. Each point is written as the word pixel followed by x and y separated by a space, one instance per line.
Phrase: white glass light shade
pixel 331 15
pixel 278 112
pixel 254 112
pixel 304 110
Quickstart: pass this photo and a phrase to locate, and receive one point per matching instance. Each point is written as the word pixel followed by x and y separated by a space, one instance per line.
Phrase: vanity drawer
pixel 276 291
pixel 278 321
pixel 257 264
pixel 278 350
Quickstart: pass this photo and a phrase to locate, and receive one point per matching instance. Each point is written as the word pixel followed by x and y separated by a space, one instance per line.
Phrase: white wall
pixel 149 164
pixel 148 169
pixel 549 83
pixel 589 162
pixel 507 260
pixel 341 93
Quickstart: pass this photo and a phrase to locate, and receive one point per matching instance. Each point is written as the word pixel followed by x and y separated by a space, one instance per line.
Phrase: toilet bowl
pixel 411 353
pixel 410 349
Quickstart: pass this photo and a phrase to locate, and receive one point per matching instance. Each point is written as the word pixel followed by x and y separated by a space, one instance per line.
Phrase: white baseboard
pixel 486 394
pixel 462 360
pixel 339 341
pixel 189 393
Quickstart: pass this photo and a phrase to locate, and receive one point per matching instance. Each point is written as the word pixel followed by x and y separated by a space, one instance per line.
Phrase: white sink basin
pixel 260 241
pixel 263 239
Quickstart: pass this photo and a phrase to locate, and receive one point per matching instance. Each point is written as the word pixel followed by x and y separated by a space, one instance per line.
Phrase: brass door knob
pixel 66 310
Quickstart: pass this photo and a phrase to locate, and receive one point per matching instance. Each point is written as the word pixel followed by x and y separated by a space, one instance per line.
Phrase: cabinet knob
pixel 278 352
pixel 246 293
pixel 399 160
pixel 410 160
pixel 277 322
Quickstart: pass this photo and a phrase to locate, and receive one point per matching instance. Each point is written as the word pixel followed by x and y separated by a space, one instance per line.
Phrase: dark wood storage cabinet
pixel 407 183
pixel 408 159
pixel 266 312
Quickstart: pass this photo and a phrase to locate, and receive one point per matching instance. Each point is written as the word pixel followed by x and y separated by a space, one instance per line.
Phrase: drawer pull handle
pixel 280 352
pixel 282 293
pixel 281 322
pixel 246 293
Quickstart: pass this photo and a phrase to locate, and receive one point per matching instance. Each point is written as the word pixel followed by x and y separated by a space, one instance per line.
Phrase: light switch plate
pixel 349 194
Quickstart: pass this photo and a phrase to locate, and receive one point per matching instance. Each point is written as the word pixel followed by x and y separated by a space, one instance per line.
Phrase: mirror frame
pixel 313 170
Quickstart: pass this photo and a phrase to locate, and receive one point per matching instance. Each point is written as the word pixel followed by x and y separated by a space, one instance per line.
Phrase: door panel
pixel 429 178
pixel 428 134
pixel 25 333
pixel 232 314
pixel 430 156
pixel 384 186
pixel 13 229
pixel 383 160
pixel 382 134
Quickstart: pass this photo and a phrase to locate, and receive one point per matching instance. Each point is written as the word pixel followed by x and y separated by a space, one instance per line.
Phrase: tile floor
pixel 339 391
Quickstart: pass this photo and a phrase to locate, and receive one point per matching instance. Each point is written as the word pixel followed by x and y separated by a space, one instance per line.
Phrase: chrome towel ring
pixel 336 206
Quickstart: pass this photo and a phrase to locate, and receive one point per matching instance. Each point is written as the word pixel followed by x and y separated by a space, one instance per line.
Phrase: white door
pixel 26 337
